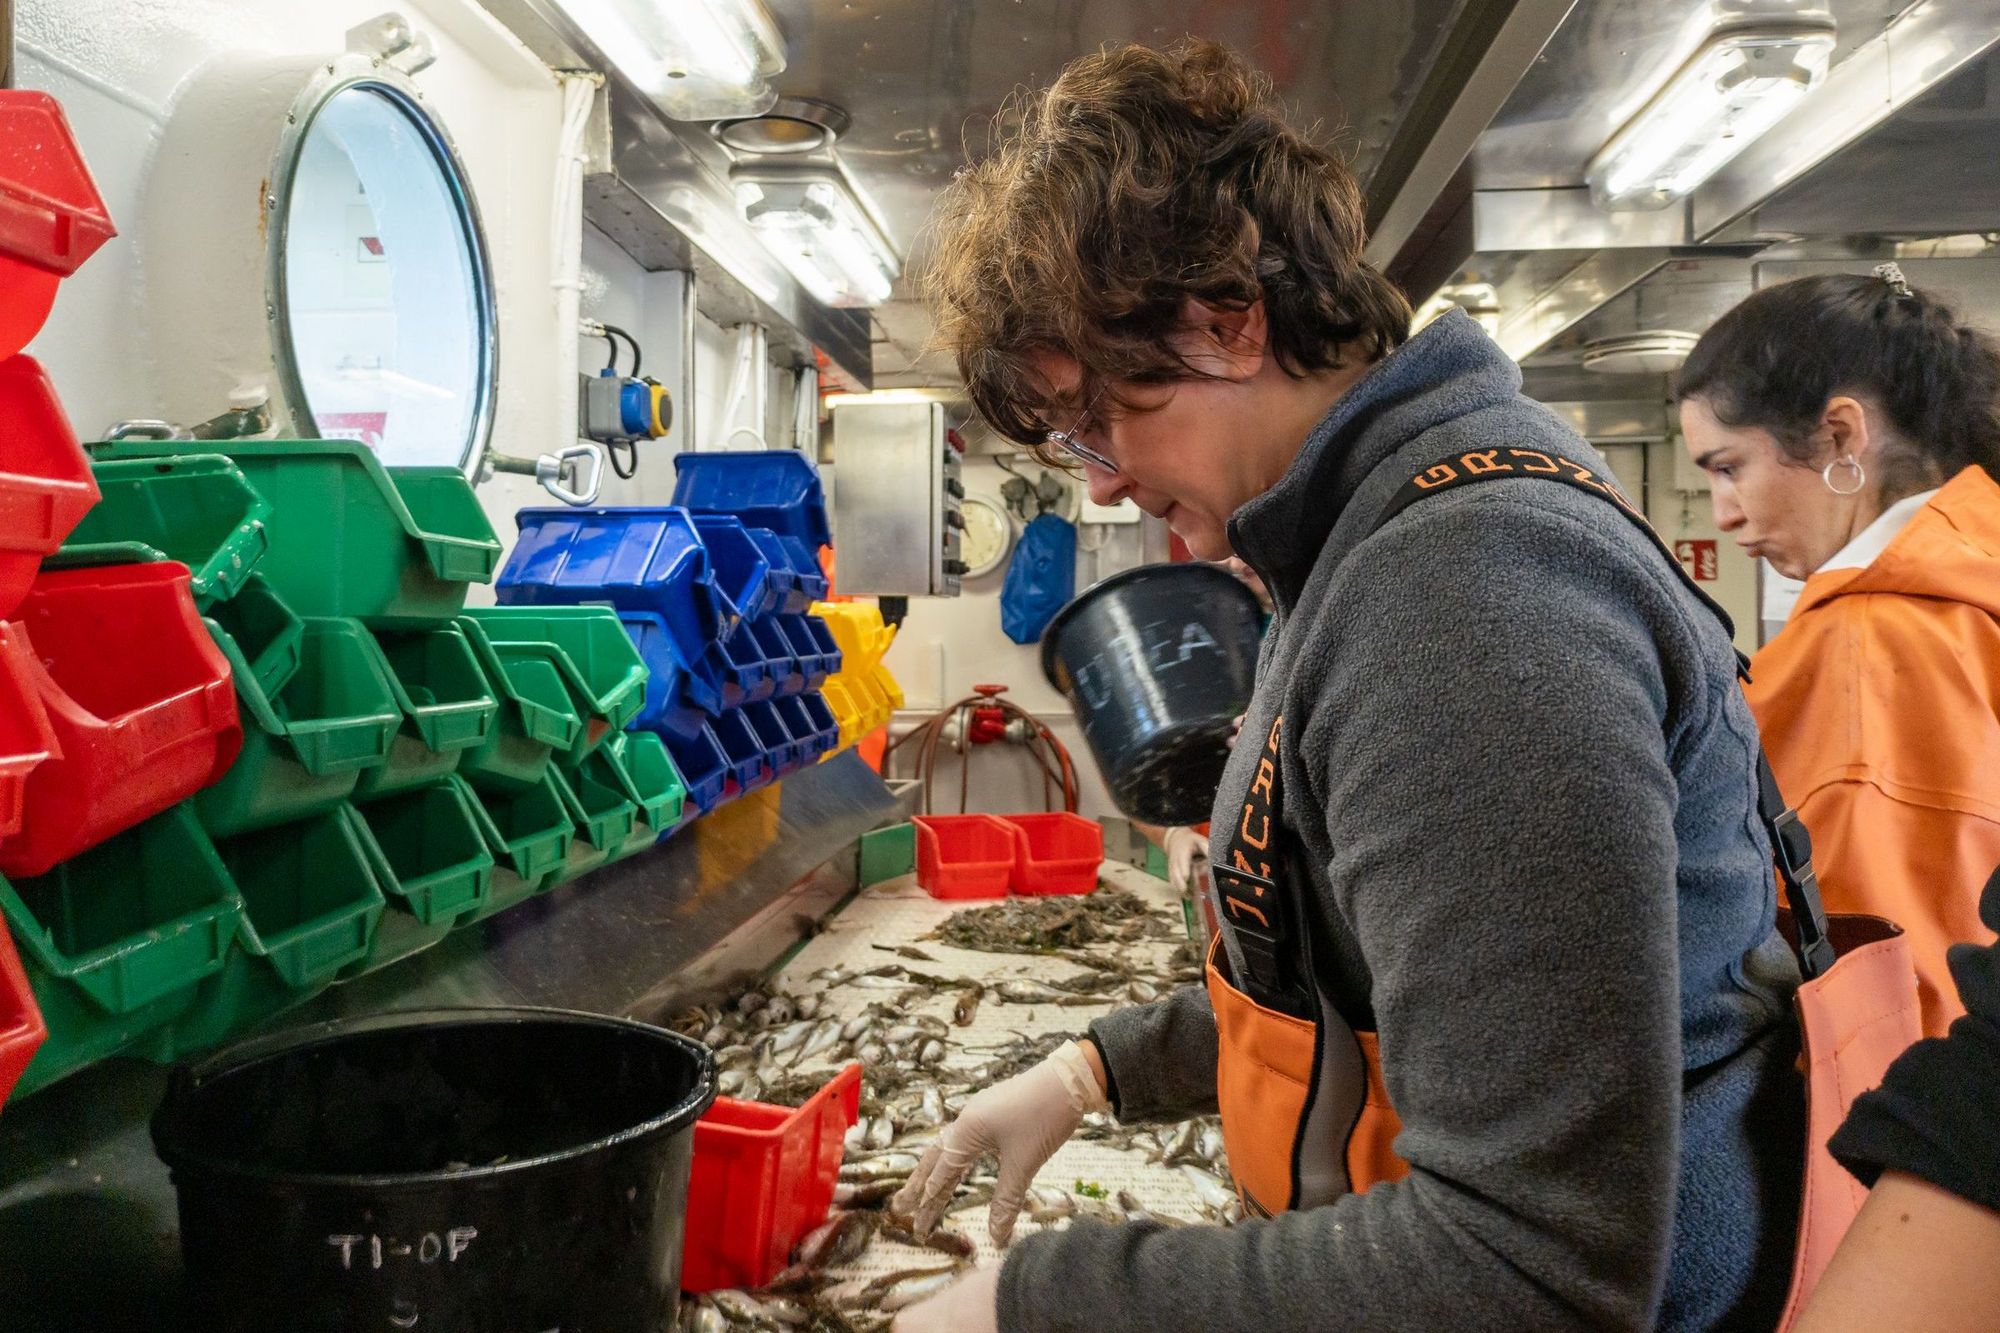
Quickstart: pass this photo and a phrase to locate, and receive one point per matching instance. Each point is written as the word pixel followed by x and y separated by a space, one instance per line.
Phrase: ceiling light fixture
pixel 817 227
pixel 1734 89
pixel 793 125
pixel 694 59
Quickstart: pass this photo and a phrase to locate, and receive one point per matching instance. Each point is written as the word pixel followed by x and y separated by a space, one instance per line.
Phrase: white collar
pixel 1872 540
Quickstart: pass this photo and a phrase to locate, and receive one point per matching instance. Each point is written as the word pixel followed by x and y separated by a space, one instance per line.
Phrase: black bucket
pixel 1158 662
pixel 461 1171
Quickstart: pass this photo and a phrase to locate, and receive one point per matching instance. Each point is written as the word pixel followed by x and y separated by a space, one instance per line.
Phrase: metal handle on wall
pixel 551 470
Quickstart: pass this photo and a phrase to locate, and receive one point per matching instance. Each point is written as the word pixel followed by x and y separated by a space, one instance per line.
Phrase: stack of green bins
pixel 517 805
pixel 662 794
pixel 117 942
pixel 605 677
pixel 333 586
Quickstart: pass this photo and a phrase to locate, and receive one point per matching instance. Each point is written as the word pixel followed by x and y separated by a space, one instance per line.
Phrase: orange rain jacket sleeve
pixel 1880 708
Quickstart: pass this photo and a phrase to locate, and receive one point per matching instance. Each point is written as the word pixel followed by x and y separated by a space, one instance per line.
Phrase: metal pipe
pixel 686 407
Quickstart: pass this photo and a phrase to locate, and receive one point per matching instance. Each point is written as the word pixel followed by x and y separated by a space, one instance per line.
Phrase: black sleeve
pixel 1937 1114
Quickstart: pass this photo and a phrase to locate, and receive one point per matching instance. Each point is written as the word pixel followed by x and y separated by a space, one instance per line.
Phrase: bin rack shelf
pixel 601 803
pixel 776 489
pixel 447 705
pixel 683 686
pixel 788 669
pixel 749 767
pixel 198 509
pixel 138 699
pixel 782 750
pixel 51 215
pixel 25 737
pixel 590 650
pixel 638 558
pixel 265 631
pixel 662 795
pixel 393 547
pixel 432 862
pixel 748 672
pixel 537 716
pixel 116 941
pixel 812 723
pixel 309 743
pixel 794 570
pixel 814 646
pixel 743 573
pixel 529 833
pixel 311 903
pixel 704 769
pixel 45 482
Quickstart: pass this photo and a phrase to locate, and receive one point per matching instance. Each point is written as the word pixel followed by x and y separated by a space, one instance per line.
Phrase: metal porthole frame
pixel 334 76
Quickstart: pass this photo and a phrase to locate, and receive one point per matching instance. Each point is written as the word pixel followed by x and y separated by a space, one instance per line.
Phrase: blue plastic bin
pixel 682 693
pixel 795 571
pixel 749 674
pixel 813 643
pixel 788 673
pixel 785 752
pixel 742 571
pixel 775 489
pixel 811 723
pixel 639 558
pixel 749 766
pixel 703 767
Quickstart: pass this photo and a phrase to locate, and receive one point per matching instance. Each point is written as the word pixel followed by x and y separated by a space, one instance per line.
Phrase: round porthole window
pixel 383 317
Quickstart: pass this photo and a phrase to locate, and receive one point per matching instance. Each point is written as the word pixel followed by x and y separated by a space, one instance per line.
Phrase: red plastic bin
pixel 140 701
pixel 1056 853
pixel 964 856
pixel 21 1026
pixel 25 738
pixel 762 1178
pixel 45 483
pixel 51 216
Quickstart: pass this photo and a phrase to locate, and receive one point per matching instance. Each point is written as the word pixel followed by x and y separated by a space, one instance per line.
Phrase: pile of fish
pixel 780 1044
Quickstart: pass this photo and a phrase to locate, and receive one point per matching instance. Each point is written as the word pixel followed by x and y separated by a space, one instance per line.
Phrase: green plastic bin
pixel 393 547
pixel 311 903
pixel 265 632
pixel 590 649
pixel 432 862
pixel 117 941
pixel 537 717
pixel 305 752
pixel 657 783
pixel 604 807
pixel 448 707
pixel 529 833
pixel 198 509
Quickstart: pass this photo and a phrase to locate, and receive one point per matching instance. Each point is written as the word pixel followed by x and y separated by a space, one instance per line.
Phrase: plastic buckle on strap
pixel 1791 845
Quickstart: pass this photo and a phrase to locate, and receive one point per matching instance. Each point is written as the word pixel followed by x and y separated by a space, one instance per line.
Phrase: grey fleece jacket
pixel 1522 802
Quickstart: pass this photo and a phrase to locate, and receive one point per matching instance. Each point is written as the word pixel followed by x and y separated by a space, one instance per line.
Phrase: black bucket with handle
pixel 504 1170
pixel 1157 663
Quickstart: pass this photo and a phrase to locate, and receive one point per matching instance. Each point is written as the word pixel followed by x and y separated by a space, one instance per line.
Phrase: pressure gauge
pixel 989 535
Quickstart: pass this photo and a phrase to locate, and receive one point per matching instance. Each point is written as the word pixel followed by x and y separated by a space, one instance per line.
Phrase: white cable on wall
pixel 566 242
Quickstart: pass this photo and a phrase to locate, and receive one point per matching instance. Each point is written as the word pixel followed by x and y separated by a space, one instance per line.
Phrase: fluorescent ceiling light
pixel 816 227
pixel 695 59
pixel 1741 83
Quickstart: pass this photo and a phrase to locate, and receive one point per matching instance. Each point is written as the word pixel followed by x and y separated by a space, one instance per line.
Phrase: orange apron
pixel 1306 1114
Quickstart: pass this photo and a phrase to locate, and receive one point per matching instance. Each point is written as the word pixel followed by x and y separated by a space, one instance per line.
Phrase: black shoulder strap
pixel 1791 844
pixel 1262 919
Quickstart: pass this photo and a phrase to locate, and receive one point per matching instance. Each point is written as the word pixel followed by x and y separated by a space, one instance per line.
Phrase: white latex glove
pixel 1022 1122
pixel 969 1305
pixel 1182 845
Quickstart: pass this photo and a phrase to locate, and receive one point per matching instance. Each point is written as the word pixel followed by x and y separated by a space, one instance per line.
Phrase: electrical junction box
pixel 898 523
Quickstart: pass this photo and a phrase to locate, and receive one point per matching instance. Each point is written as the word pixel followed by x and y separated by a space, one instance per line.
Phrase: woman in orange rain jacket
pixel 1850 429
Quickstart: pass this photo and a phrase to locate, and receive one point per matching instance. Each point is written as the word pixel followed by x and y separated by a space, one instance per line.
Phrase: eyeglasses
pixel 1066 439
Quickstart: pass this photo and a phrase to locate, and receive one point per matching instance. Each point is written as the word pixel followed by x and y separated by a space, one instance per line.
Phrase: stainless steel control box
pixel 896 500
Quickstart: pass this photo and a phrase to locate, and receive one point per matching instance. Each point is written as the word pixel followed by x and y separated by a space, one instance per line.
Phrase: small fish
pixel 778 1011
pixel 883 1167
pixel 792 1036
pixel 735 1057
pixel 856 1137
pixel 893 1291
pixel 866 1193
pixel 854 1029
pixel 1210 1191
pixel 1016 991
pixel 750 1001
pixel 1142 992
pixel 881 1133
pixel 732 1082
pixel 942 1239
pixel 1210 1146
pixel 932 1052
pixel 1128 1203
pixel 1179 1144
pixel 702 1317
pixel 872 1053
pixel 820 1244
pixel 825 1036
pixel 930 1108
pixel 786 1311
pixel 967 1005
pixel 808 1005
pixel 909 951
pixel 903 1034
pixel 739 1306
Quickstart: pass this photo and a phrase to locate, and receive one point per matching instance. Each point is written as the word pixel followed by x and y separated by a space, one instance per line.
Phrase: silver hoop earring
pixel 1860 477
